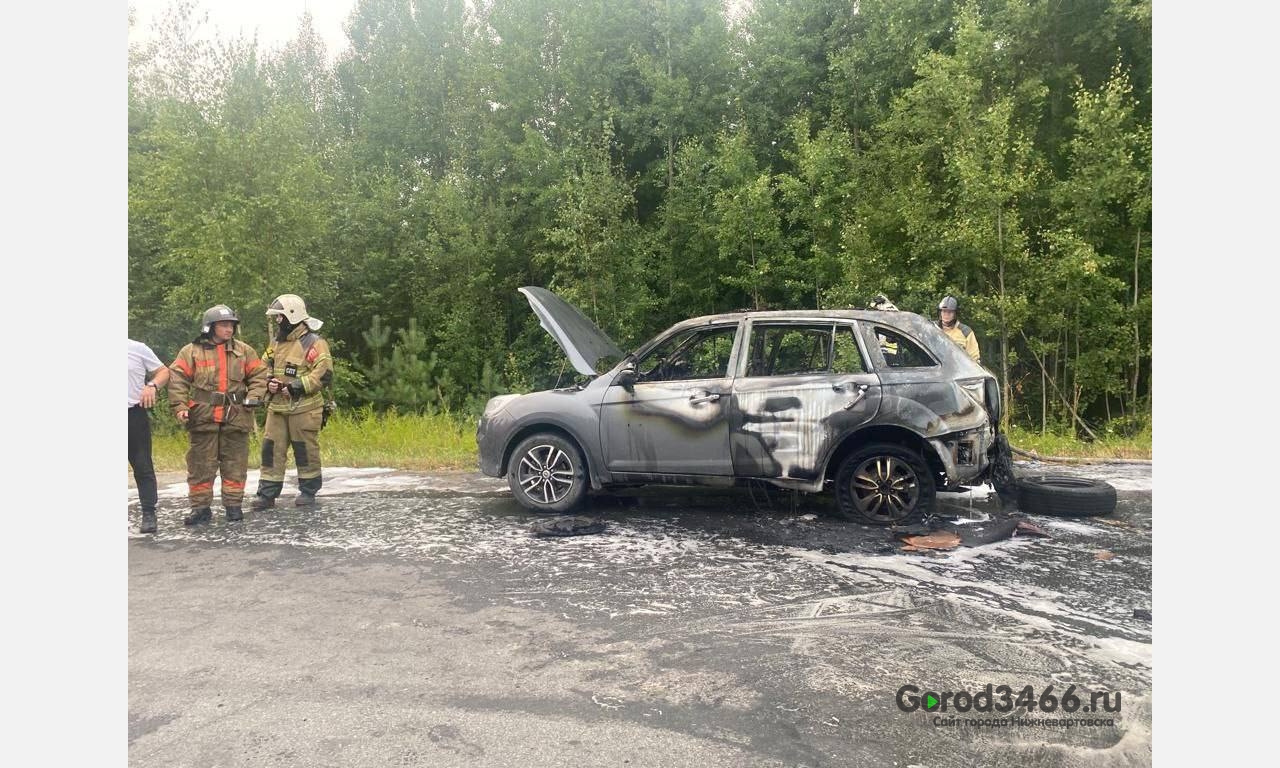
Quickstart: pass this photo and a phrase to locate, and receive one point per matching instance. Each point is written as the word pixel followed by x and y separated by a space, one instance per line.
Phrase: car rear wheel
pixel 884 484
pixel 547 473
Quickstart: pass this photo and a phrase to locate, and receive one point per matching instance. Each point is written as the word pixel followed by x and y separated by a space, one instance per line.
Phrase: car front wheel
pixel 547 473
pixel 884 484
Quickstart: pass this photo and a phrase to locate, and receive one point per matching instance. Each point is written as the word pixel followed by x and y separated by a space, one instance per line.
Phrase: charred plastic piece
pixel 942 535
pixel 569 525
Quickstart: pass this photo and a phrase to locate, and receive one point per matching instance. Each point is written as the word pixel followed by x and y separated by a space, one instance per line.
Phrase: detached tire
pixel 547 473
pixel 884 484
pixel 1065 496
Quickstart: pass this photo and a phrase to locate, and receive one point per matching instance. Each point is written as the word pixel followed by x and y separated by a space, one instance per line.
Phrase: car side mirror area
pixel 626 379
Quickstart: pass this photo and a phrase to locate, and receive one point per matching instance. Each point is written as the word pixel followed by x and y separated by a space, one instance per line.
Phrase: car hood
pixel 581 340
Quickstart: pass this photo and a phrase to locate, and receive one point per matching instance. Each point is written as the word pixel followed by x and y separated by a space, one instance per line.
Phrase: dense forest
pixel 651 160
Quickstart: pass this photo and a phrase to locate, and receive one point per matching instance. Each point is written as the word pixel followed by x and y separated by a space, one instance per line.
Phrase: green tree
pixel 653 160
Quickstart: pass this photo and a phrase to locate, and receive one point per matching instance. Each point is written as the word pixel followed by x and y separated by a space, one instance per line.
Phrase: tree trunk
pixel 1004 329
pixel 1137 332
pixel 1044 400
pixel 1075 372
pixel 755 275
pixel 671 141
pixel 1053 370
pixel 1061 396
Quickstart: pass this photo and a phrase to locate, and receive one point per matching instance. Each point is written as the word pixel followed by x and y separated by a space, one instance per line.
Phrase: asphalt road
pixel 413 620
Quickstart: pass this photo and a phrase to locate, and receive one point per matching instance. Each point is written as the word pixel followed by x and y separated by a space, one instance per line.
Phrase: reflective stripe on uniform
pixel 314 363
pixel 218 410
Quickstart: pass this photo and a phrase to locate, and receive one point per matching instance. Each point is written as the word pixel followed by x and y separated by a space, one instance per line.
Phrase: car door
pixel 674 419
pixel 802 386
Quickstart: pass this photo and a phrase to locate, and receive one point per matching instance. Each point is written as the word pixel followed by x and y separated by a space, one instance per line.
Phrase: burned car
pixel 878 406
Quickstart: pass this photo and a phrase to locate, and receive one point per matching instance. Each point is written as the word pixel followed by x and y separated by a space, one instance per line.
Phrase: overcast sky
pixel 275 21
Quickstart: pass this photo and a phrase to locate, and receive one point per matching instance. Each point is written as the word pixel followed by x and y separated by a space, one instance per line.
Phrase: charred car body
pixel 878 405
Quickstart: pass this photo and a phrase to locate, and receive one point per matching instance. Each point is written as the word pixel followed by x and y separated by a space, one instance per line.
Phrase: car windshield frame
pixel 633 359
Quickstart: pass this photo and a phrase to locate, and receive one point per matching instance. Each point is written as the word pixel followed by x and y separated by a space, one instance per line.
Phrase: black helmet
pixel 949 302
pixel 217 314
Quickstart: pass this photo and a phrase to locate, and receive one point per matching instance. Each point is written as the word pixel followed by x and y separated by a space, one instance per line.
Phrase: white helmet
pixel 294 311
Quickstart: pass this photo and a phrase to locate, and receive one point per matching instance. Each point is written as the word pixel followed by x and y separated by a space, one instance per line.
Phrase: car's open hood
pixel 581 340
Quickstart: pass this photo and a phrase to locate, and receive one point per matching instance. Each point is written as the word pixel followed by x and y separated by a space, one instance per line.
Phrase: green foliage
pixel 408 378
pixel 650 160
pixel 593 247
pixel 363 438
pixel 1134 444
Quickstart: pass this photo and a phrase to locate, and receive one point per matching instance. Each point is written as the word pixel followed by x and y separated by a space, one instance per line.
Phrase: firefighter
pixel 299 368
pixel 214 381
pixel 961 334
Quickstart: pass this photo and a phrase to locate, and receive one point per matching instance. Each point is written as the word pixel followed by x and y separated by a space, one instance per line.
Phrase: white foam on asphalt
pixel 1034 607
pixel 977 493
pixel 1122 477
pixel 1072 526
pixel 340 480
pixel 655 566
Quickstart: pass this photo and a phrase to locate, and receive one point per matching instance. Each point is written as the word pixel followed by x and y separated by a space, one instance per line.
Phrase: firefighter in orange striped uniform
pixel 215 380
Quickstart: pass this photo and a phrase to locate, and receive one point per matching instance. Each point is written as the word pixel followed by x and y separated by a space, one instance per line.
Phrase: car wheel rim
pixel 885 488
pixel 545 474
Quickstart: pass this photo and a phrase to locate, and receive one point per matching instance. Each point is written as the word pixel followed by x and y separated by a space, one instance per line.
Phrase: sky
pixel 275 21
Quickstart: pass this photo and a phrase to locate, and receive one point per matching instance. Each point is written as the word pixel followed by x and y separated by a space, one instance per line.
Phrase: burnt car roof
pixel 818 314
pixel 585 344
pixel 917 326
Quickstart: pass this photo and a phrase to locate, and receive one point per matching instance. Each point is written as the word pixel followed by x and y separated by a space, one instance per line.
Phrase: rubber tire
pixel 845 507
pixel 579 467
pixel 1002 476
pixel 1065 496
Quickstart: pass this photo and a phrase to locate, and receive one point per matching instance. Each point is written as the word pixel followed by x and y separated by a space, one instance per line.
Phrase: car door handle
pixel 862 392
pixel 703 397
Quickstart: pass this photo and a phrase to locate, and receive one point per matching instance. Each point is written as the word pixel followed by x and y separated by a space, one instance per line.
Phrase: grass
pixel 1055 444
pixel 363 439
pixel 446 441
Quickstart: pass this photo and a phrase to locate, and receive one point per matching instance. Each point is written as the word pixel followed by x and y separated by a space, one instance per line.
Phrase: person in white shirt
pixel 146 375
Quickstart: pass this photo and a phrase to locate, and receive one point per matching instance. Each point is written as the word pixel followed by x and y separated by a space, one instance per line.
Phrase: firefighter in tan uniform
pixel 957 331
pixel 213 382
pixel 299 369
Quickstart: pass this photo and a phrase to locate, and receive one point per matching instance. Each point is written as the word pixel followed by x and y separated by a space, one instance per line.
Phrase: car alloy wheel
pixel 884 489
pixel 545 473
pixel 884 484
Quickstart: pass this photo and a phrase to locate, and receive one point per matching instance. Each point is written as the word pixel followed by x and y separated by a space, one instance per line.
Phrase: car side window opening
pixel 900 352
pixel 701 353
pixel 789 350
pixel 847 358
